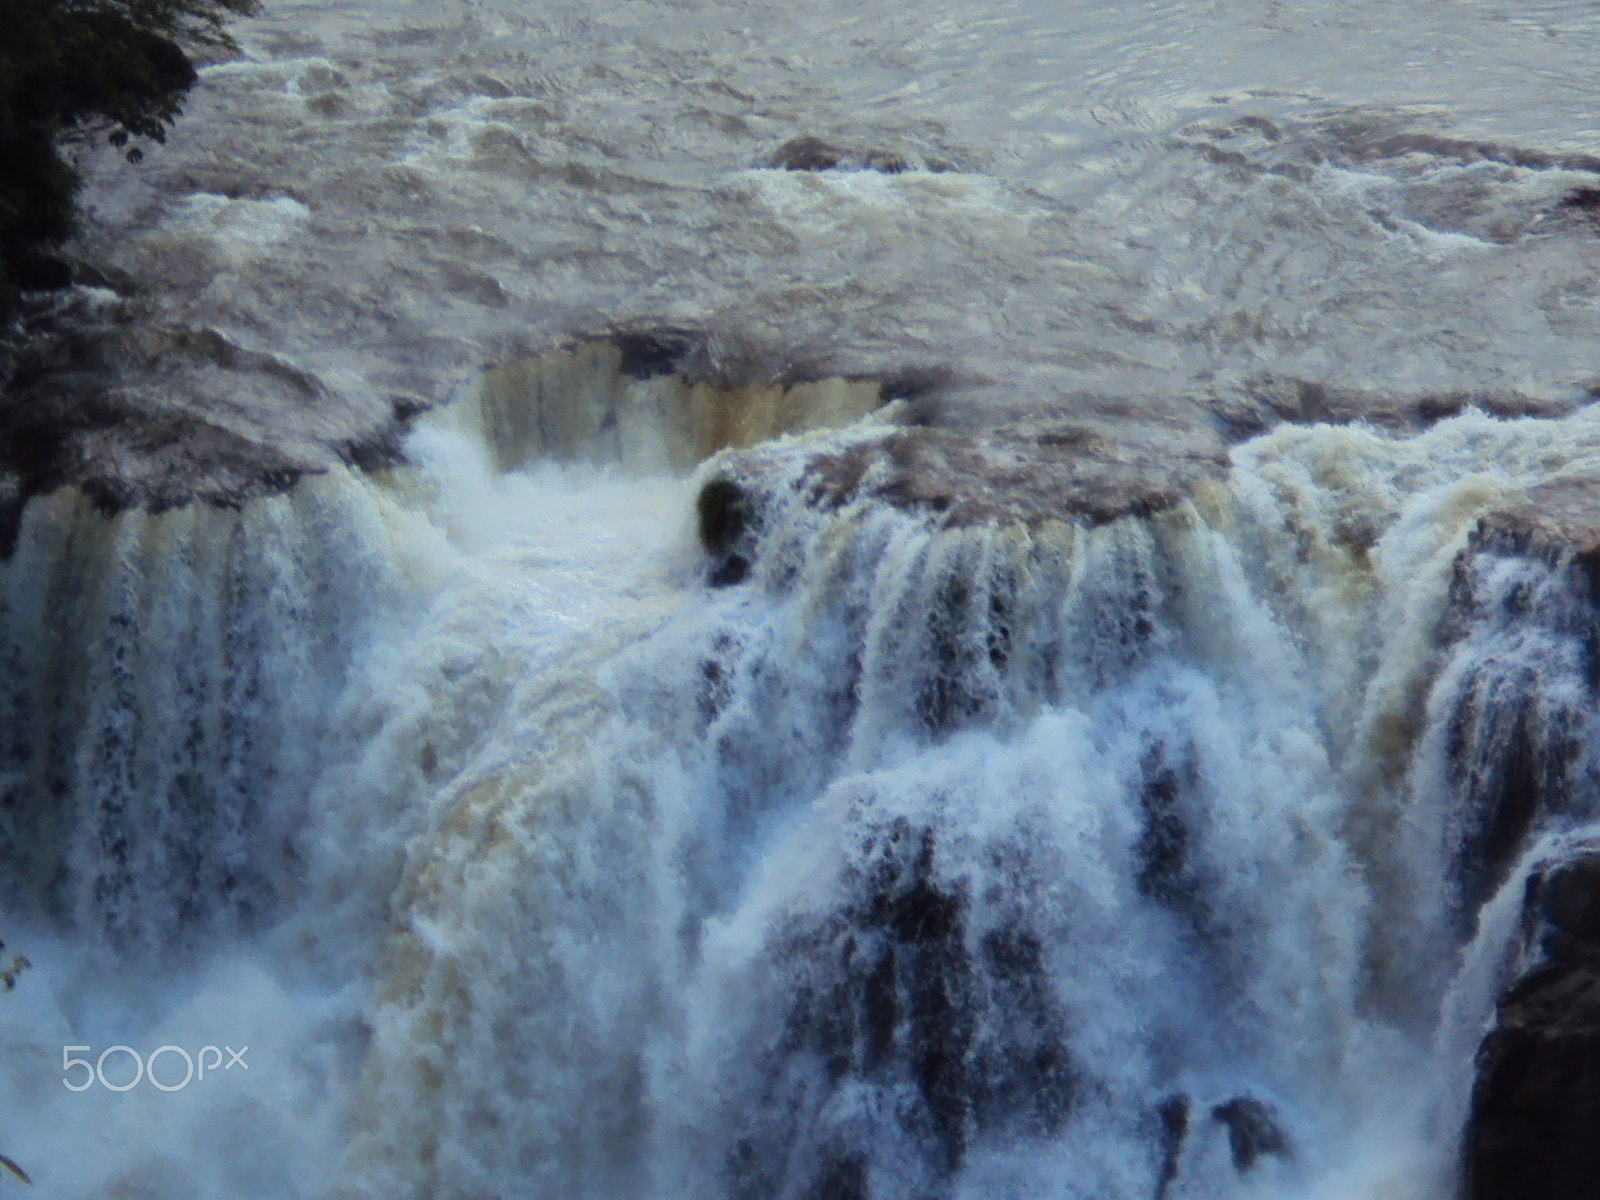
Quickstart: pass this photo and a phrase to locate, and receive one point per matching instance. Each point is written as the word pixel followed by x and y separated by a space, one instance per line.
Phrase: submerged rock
pixel 1585 200
pixel 814 154
pixel 1267 399
pixel 1536 1103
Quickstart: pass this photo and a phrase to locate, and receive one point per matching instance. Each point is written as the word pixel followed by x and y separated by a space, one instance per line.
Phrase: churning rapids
pixel 1015 615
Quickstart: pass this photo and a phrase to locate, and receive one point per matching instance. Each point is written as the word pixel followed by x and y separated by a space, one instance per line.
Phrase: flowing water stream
pixel 613 796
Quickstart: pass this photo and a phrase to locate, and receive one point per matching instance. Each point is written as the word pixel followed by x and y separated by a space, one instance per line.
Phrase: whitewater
pixel 1039 659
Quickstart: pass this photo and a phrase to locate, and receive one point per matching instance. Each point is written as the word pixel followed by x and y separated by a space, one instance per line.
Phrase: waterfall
pixel 582 830
pixel 164 678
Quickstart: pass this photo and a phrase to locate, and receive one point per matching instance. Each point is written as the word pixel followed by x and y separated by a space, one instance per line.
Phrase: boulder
pixel 814 154
pixel 1534 1128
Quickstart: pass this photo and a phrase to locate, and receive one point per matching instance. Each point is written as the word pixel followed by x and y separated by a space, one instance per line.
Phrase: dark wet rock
pixel 1254 1132
pixel 957 1034
pixel 1380 141
pixel 1173 1116
pixel 12 502
pixel 727 517
pixel 100 400
pixel 1536 1101
pixel 806 154
pixel 381 449
pixel 103 275
pixel 1027 471
pixel 405 408
pixel 1523 608
pixel 914 383
pixel 1561 913
pixel 725 512
pixel 1584 200
pixel 1265 401
pixel 650 353
pixel 730 572
pixel 1163 850
pixel 814 154
pixel 1513 748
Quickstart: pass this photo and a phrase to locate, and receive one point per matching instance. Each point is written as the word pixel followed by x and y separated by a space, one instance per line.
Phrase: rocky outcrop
pixel 1052 466
pixel 1266 400
pixel 1524 622
pixel 1585 200
pixel 1536 1103
pixel 726 520
pixel 897 999
pixel 97 399
pixel 1557 523
pixel 814 154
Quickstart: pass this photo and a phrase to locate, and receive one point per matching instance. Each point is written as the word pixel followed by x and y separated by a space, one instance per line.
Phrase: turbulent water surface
pixel 1034 660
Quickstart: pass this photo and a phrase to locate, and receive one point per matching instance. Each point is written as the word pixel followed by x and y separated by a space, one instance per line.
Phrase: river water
pixel 531 851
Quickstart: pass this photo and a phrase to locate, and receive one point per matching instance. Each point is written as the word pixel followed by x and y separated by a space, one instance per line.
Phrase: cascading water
pixel 1069 861
pixel 855 729
pixel 164 679
pixel 1132 859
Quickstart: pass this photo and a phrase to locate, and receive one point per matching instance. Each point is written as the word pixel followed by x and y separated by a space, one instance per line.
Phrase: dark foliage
pixel 116 67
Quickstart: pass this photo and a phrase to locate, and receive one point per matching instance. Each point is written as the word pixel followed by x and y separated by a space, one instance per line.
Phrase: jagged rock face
pixel 903 1009
pixel 1536 1106
pixel 1523 621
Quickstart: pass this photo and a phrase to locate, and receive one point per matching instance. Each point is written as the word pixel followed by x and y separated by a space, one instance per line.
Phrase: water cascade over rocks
pixel 870 829
pixel 634 400
pixel 1046 649
pixel 933 849
pixel 1054 856
pixel 165 679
